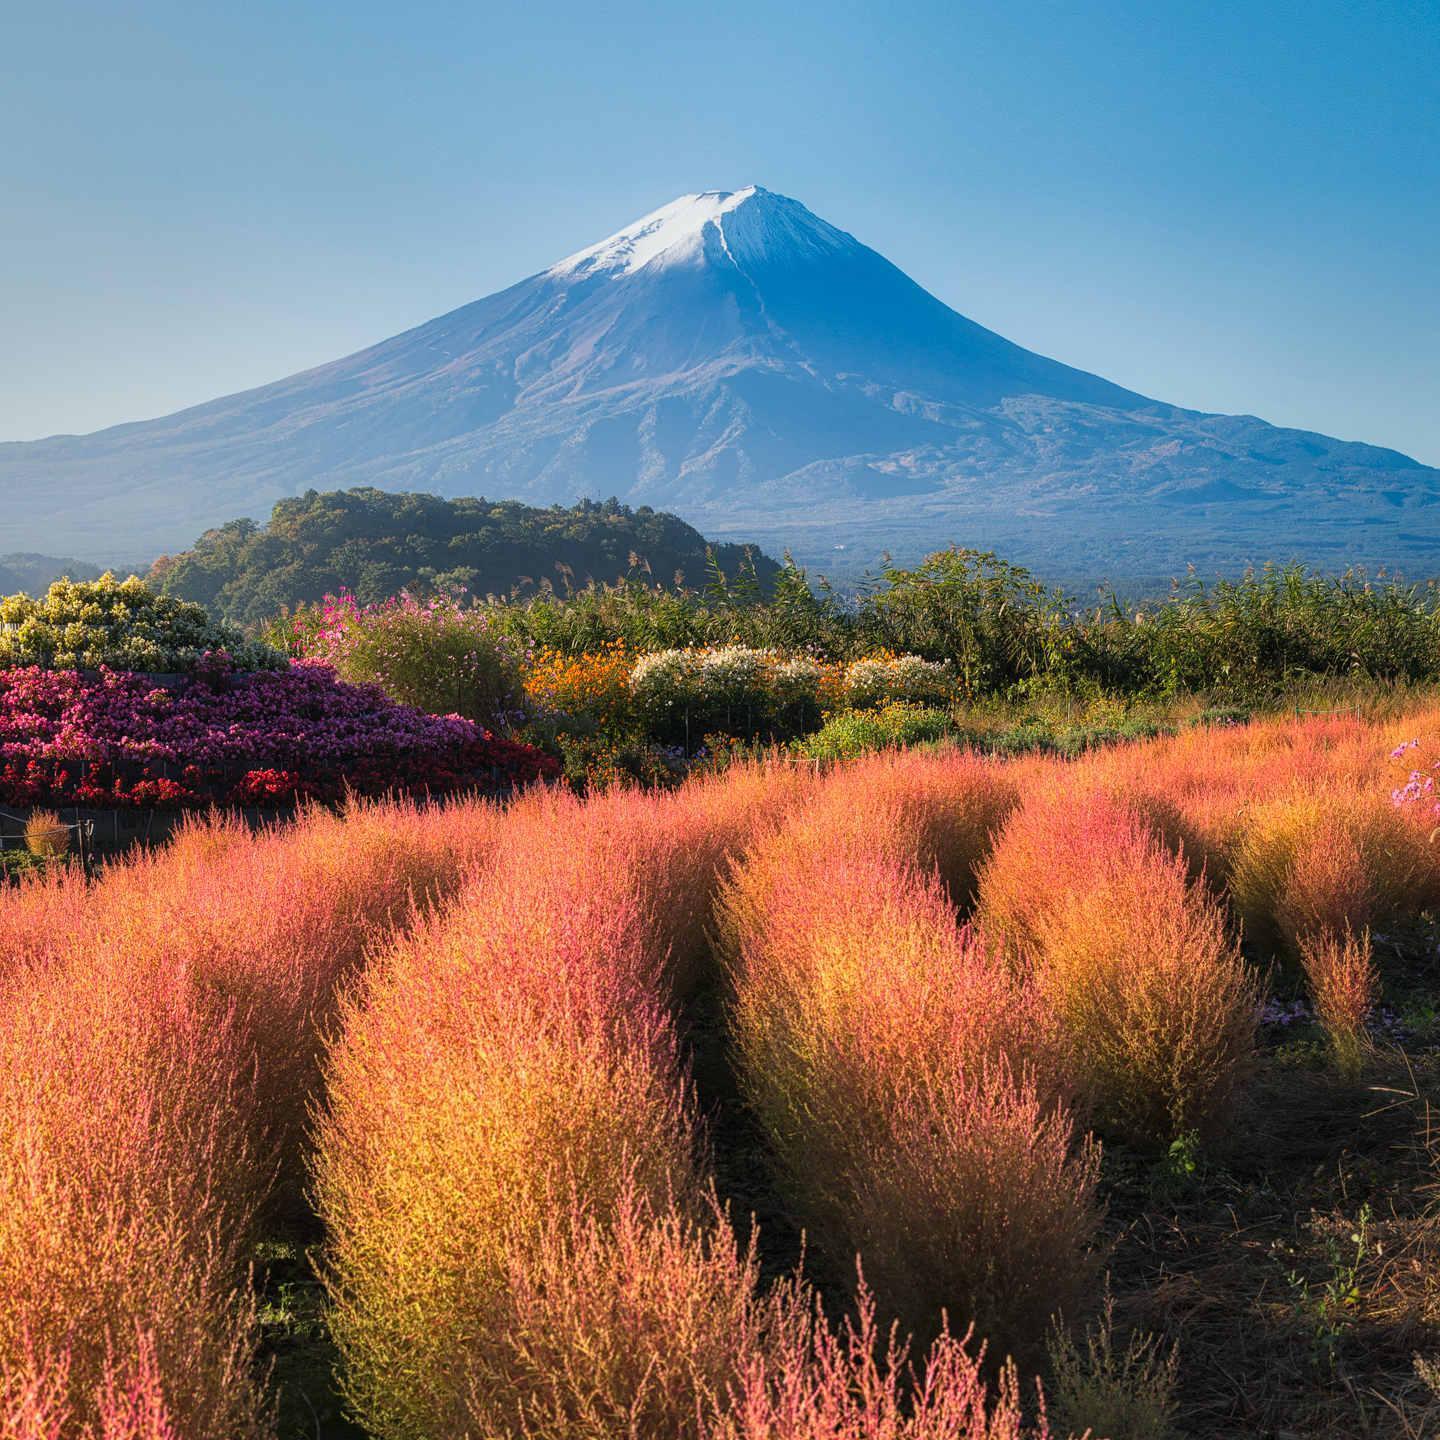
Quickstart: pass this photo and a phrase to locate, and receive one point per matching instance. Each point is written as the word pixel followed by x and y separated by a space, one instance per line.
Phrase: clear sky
pixel 1229 206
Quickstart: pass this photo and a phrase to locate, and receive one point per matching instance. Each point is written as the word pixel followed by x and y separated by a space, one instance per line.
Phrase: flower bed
pixel 264 738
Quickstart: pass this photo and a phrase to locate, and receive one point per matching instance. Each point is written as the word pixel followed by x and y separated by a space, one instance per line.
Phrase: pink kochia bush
pixel 159 1045
pixel 1132 959
pixel 117 739
pixel 813 1381
pixel 905 1080
pixel 127 1200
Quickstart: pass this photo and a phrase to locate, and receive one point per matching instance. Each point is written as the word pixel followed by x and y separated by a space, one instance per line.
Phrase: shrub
pixel 268 738
pixel 1344 987
pixel 439 656
pixel 1129 1395
pixel 506 1064
pixel 126 1197
pixel 592 689
pixel 1132 959
pixel 640 1324
pixel 144 1126
pixel 45 835
pixel 122 625
pixel 904 1082
pixel 814 1381
pixel 129 1402
pixel 1316 862
pixel 947 807
pixel 887 679
pixel 857 732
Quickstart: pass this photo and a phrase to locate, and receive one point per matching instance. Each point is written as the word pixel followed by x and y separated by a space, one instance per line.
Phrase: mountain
pixel 34 574
pixel 736 359
pixel 375 544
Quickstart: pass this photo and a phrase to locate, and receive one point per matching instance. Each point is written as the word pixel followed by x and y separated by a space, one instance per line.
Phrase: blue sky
pixel 1230 206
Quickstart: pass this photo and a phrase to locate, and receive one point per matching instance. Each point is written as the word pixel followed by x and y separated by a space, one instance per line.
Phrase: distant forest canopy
pixel 34 574
pixel 375 543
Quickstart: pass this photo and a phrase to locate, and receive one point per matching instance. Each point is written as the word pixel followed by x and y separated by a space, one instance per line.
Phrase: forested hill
pixel 33 573
pixel 375 544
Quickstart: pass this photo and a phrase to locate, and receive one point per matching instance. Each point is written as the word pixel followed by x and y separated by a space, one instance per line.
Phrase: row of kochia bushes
pixel 522 1233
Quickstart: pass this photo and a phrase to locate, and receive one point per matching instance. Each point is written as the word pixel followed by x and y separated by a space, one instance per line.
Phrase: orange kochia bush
pixel 522 1242
pixel 1131 957
pixel 505 1065
pixel 906 1081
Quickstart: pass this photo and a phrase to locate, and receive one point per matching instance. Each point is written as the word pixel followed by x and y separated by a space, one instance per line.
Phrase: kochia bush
pixel 159 1036
pixel 1313 863
pixel 1132 959
pixel 904 1081
pixel 507 1064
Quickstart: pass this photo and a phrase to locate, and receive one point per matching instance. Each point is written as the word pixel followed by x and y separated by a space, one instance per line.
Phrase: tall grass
pixel 904 1080
pixel 1131 958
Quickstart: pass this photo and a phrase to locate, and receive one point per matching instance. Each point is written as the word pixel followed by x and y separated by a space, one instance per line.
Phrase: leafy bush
pixel 440 656
pixel 857 732
pixel 592 691
pixel 903 679
pixel 122 625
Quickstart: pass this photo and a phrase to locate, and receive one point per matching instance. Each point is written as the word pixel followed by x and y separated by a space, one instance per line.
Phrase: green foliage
pixel 373 545
pixel 993 621
pixel 1241 643
pixel 15 864
pixel 856 732
pixel 82 625
pixel 1251 637
pixel 440 656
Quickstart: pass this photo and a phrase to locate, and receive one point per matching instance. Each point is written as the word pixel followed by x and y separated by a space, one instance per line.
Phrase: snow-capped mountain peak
pixel 733 357
pixel 740 223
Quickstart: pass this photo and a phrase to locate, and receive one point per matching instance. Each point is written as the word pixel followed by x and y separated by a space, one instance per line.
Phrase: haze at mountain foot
pixel 736 359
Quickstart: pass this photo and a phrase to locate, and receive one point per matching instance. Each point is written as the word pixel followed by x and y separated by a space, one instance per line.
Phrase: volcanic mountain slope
pixel 736 359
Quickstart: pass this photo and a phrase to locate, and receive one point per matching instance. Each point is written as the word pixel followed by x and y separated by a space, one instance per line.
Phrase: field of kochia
pixel 545 1096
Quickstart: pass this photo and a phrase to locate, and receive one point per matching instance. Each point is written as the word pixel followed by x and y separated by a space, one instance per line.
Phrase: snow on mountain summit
pixel 741 224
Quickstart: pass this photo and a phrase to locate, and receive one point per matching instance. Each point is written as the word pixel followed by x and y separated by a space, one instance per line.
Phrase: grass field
pixel 748 1110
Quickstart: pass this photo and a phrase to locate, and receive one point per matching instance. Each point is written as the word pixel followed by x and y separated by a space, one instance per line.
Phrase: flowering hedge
pixel 84 625
pixel 441 655
pixel 594 686
pixel 680 695
pixel 268 737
